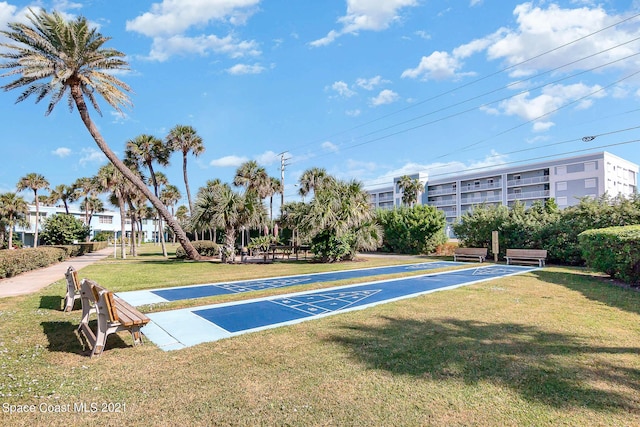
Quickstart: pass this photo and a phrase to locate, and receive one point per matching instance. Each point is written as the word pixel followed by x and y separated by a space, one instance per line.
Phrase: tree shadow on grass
pixel 53 302
pixel 541 366
pixel 600 289
pixel 63 336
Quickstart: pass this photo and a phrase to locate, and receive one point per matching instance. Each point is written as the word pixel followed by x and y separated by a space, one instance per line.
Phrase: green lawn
pixel 558 346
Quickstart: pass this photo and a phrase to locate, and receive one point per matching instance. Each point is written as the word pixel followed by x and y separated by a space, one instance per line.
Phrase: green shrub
pixel 327 247
pixel 63 229
pixel 16 261
pixel 415 230
pixel 204 248
pixel 614 251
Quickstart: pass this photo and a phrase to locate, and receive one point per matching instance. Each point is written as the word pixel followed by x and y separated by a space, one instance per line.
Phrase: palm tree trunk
pixel 35 237
pixel 123 247
pixel 186 182
pixel 76 93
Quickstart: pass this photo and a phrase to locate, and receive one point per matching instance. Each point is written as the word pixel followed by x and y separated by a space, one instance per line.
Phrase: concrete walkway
pixel 35 280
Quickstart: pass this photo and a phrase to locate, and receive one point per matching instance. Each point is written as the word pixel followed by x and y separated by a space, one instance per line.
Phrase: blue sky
pixel 368 89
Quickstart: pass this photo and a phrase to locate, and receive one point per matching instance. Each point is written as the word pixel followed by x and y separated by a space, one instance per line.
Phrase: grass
pixel 559 346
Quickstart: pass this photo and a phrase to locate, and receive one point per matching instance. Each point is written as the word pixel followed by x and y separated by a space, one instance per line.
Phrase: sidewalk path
pixel 32 281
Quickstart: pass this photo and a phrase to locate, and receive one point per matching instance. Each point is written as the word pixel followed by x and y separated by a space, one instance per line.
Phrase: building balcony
pixel 528 181
pixel 441 191
pixel 451 202
pixel 478 200
pixel 465 188
pixel 528 195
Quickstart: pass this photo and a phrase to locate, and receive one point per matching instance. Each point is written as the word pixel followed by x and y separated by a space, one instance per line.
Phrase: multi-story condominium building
pixel 390 196
pixel 566 180
pixel 107 221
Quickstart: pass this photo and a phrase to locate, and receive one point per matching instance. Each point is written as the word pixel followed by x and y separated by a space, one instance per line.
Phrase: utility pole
pixel 282 166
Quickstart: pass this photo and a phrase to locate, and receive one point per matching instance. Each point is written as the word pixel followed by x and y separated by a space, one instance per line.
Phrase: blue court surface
pixel 176 329
pixel 155 296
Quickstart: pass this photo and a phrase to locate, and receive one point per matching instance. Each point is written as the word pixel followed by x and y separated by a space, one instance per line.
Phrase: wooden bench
pixel 527 256
pixel 479 254
pixel 73 288
pixel 114 315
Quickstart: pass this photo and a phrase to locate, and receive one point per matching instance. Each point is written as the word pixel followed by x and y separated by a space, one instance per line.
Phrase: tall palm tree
pixel 274 187
pixel 253 178
pixel 110 179
pixel 312 179
pixel 170 195
pixel 88 188
pixel 34 182
pixel 55 58
pixel 62 193
pixel 145 150
pixel 411 189
pixel 16 210
pixel 186 140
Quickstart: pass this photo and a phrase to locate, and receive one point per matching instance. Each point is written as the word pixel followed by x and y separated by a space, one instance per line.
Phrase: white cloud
pixel 228 161
pixel 61 152
pixel 386 96
pixel 372 83
pixel 329 146
pixel 240 69
pixel 551 98
pixel 92 156
pixel 267 158
pixel 437 66
pixel 353 113
pixel 172 17
pixel 163 48
pixel 370 15
pixel 342 89
pixel 168 21
pixel 542 126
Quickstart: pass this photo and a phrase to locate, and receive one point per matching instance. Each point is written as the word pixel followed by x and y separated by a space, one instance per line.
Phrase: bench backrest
pixel 104 298
pixel 72 278
pixel 471 251
pixel 533 253
pixel 116 310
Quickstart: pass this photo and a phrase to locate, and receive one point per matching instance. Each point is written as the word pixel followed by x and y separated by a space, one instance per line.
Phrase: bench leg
pixel 136 335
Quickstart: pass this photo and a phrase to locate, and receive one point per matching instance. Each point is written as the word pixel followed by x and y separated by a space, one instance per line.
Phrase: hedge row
pixel 204 248
pixel 13 262
pixel 614 251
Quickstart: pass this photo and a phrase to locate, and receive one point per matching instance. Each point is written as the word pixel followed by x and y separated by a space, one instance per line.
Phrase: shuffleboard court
pixel 155 296
pixel 176 329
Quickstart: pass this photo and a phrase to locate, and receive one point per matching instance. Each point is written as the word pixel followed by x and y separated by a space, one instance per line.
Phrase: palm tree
pixel 411 189
pixel 55 57
pixel 223 207
pixel 274 187
pixel 312 179
pixel 110 179
pixel 170 195
pixel 145 150
pixel 253 178
pixel 35 182
pixel 185 139
pixel 16 210
pixel 88 188
pixel 62 193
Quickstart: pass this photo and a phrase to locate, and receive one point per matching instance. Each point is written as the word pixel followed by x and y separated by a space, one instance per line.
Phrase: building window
pixel 105 219
pixel 589 166
pixel 561 186
pixel 590 183
pixel 561 170
pixel 516 177
pixel 562 201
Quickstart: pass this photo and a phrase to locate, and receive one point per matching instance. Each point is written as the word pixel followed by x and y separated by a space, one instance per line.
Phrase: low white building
pixel 107 221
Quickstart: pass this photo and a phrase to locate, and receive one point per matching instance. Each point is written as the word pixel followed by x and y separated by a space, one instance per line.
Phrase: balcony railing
pixel 450 202
pixel 441 191
pixel 528 195
pixel 528 181
pixel 465 188
pixel 477 200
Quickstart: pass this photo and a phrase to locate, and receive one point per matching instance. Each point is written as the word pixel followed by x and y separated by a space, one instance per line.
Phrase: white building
pixel 107 221
pixel 390 196
pixel 566 180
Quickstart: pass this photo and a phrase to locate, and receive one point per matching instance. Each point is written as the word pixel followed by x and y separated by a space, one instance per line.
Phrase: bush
pixel 415 230
pixel 204 248
pixel 63 229
pixel 327 247
pixel 16 261
pixel 614 251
